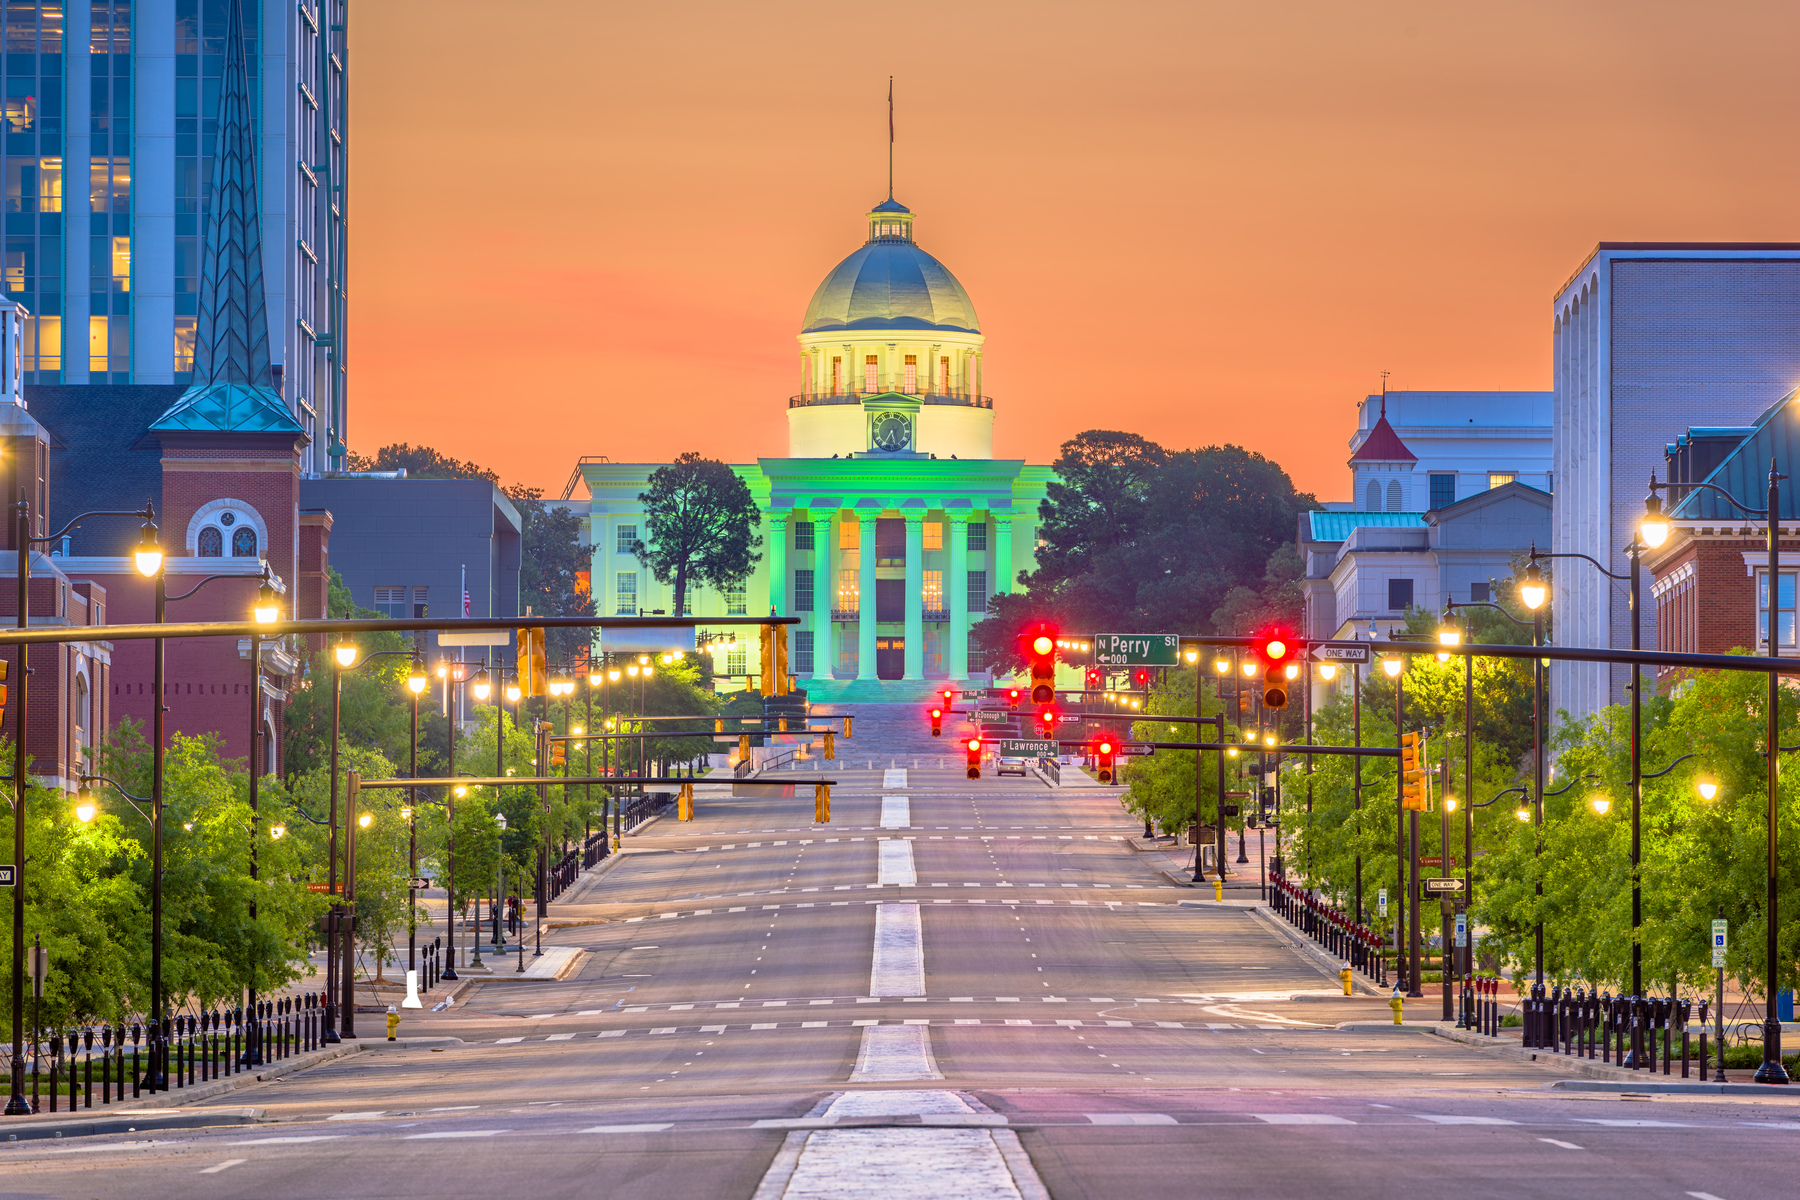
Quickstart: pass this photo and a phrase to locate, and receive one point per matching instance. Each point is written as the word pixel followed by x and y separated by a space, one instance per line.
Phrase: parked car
pixel 1009 766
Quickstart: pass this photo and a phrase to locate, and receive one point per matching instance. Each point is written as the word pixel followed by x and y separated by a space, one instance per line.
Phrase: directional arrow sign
pixel 1022 749
pixel 1438 887
pixel 1340 652
pixel 1135 750
pixel 419 883
pixel 8 875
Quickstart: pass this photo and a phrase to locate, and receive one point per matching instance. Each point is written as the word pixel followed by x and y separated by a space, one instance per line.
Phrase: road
pixel 955 989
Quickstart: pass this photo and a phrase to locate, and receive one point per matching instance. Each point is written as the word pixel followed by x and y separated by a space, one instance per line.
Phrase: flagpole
pixel 890 137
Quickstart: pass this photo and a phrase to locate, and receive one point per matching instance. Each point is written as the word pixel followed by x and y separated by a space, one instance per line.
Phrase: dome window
pixel 912 376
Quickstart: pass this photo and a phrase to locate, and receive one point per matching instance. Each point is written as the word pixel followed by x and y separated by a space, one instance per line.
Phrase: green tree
pixel 553 568
pixel 702 522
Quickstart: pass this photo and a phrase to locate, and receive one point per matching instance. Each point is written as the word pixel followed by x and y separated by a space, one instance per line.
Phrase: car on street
pixel 1009 766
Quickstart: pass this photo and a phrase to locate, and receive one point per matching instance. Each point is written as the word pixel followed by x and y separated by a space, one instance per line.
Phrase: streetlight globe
pixel 365 820
pixel 595 678
pixel 277 832
pixel 1192 654
pixel 1707 788
pixel 1601 804
pixel 416 678
pixel 459 670
pixel 1231 751
pixel 85 810
pixel 1292 670
pixel 268 609
pixel 1522 812
pixel 149 555
pixel 483 686
pixel 1222 665
pixel 443 669
pixel 1393 665
pixel 460 791
pixel 632 670
pixel 345 652
pixel 1268 739
pixel 577 729
pixel 1249 669
pixel 613 675
pixel 1328 671
pixel 1449 804
pixel 1532 589
pixel 513 692
pixel 1653 526
pixel 648 670
pixel 406 812
pixel 500 820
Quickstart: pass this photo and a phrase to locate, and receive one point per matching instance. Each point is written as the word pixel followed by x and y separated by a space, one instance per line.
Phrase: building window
pixel 1400 594
pixel 912 375
pixel 847 656
pixel 391 602
pixel 421 609
pixel 736 660
pixel 243 542
pixel 803 535
pixel 1478 592
pixel 1501 478
pixel 890 543
pixel 849 535
pixel 627 539
pixel 84 725
pixel 737 601
pixel 978 537
pixel 848 590
pixel 803 651
pixel 934 592
pixel 1393 494
pixel 871 372
pixel 837 375
pixel 803 590
pixel 933 535
pixel 978 593
pixel 1443 491
pixel 1785 622
pixel 944 376
pixel 184 344
pixel 977 661
pixel 627 594
pixel 1372 497
pixel 211 543
pixel 934 652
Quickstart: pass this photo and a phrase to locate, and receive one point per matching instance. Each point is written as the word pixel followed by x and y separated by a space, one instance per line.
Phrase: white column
pixel 824 593
pixel 153 192
pixel 915 595
pixel 1002 582
pixel 778 569
pixel 865 622
pixel 956 588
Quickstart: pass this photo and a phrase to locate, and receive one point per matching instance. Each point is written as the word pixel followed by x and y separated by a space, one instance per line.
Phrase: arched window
pixel 1393 495
pixel 211 543
pixel 243 542
pixel 1372 497
pixel 84 738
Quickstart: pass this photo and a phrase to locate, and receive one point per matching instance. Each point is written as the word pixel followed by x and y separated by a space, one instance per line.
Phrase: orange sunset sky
pixel 592 228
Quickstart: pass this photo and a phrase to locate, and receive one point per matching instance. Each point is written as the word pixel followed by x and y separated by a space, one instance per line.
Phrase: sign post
pixel 1719 930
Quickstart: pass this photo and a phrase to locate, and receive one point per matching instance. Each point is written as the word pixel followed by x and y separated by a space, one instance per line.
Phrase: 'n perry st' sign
pixel 1136 649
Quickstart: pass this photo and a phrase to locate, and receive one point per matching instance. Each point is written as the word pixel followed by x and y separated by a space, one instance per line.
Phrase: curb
pixel 1328 963
pixel 1593 1075
pixel 53 1127
pixel 1684 1087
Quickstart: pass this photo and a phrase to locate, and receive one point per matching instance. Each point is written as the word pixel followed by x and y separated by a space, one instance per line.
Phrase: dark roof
pixel 1383 445
pixel 890 205
pixel 1744 473
pixel 99 454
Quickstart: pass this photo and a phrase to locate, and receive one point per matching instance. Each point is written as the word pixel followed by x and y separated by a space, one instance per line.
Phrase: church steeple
pixel 233 387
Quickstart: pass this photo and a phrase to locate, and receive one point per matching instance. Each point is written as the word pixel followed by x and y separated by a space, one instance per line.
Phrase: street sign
pixel 7 876
pixel 1437 887
pixel 1136 649
pixel 1069 718
pixel 1010 748
pixel 337 890
pixel 987 716
pixel 1231 810
pixel 1462 929
pixel 1719 928
pixel 973 695
pixel 1381 901
pixel 419 883
pixel 1136 750
pixel 1340 652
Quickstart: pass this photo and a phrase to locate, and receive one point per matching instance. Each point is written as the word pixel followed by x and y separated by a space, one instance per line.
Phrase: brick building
pixel 1710 580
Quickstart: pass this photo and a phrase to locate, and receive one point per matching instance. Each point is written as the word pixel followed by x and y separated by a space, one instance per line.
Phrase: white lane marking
pixel 903 1163
pixel 896 864
pixel 1617 1123
pixel 1564 1145
pixel 1301 1119
pixel 1130 1118
pixel 224 1166
pixel 895 1053
pixel 893 777
pixel 507 1041
pixel 278 1141
pixel 453 1108
pixel 1703 1196
pixel 651 1128
pixel 898 968
pixel 563 1037
pixel 452 1133
pixel 1439 1120
pixel 896 812
pixel 362 1116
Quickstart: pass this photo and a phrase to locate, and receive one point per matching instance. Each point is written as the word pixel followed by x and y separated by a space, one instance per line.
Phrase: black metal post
pixel 1772 1070
pixel 17 1105
pixel 253 1053
pixel 334 916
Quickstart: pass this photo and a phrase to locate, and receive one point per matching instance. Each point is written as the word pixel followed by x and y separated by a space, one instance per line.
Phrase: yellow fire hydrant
pixel 1344 977
pixel 1396 1003
pixel 1219 890
pixel 393 1016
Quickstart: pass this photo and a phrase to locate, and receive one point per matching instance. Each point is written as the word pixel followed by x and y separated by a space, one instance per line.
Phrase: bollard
pixel 1397 1004
pixel 1703 1062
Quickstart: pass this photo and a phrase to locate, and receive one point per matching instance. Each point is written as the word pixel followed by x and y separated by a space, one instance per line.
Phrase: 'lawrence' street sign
pixel 1022 749
pixel 1136 649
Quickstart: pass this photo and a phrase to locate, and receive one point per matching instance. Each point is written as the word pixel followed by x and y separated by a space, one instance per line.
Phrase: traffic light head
pixel 974 748
pixel 1103 755
pixel 1048 719
pixel 1012 697
pixel 1039 646
pixel 559 753
pixel 1094 679
pixel 1279 658
pixel 937 722
pixel 1140 678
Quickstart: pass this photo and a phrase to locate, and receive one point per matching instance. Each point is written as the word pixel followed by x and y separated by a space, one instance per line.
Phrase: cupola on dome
pixel 891 284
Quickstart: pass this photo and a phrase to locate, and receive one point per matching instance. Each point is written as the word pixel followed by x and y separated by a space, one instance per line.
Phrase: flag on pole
pixel 466 608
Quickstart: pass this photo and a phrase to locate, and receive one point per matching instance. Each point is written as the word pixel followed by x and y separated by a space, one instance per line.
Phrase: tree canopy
pixel 702 522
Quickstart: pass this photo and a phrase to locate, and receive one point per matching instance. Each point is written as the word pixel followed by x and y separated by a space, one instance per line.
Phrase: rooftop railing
pixel 965 399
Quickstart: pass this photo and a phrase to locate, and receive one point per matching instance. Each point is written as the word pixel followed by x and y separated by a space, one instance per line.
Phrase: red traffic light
pixel 1106 747
pixel 1038 647
pixel 1280 655
pixel 1012 697
pixel 1141 678
pixel 937 722
pixel 974 745
pixel 948 695
pixel 974 767
pixel 1103 762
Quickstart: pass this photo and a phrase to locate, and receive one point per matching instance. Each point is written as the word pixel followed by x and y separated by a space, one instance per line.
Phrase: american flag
pixel 466 609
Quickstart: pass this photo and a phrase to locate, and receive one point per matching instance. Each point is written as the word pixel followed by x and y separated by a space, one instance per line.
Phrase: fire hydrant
pixel 1396 1003
pixel 1344 978
pixel 1219 890
pixel 393 1016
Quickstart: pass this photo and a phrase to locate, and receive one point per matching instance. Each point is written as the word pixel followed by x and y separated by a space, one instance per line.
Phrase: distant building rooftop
pixel 1336 526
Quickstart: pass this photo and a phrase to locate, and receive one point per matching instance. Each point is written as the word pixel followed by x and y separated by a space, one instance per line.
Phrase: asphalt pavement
pixel 954 989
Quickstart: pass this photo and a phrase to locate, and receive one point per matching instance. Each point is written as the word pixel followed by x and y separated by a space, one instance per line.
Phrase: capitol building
pixel 890 523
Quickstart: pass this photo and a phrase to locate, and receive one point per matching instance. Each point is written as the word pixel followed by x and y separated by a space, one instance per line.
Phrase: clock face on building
pixel 891 431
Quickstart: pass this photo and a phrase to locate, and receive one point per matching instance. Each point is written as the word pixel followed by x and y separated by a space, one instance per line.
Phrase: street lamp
pixel 483 687
pixel 1600 804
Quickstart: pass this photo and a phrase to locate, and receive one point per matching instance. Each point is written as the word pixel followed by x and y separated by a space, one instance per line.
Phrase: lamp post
pixel 155 1078
pixel 149 562
pixel 267 611
pixel 1654 530
pixel 416 683
pixel 1406 941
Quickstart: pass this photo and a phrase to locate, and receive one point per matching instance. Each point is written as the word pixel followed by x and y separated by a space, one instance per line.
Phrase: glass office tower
pixel 110 120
